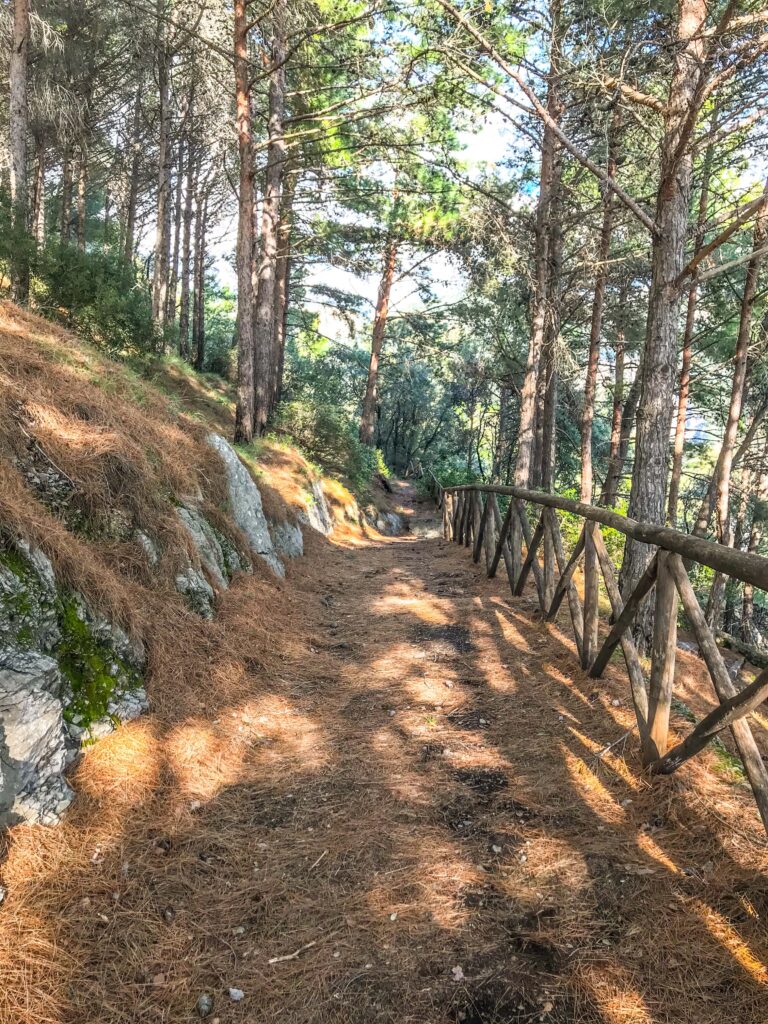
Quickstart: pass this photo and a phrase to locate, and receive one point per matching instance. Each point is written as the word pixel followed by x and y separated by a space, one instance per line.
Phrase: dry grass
pixel 386 764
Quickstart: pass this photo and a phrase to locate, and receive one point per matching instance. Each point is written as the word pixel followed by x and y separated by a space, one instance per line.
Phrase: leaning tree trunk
pixel 654 416
pixel 528 396
pixel 163 228
pixel 276 154
pixel 368 417
pixel 19 118
pixel 244 414
pixel 596 325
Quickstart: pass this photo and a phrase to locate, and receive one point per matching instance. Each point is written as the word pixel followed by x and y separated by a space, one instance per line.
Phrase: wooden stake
pixel 754 766
pixel 730 712
pixel 663 649
pixel 624 621
pixel 631 658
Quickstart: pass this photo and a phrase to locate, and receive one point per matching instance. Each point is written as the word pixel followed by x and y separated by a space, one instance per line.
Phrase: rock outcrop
pixel 67 675
pixel 245 504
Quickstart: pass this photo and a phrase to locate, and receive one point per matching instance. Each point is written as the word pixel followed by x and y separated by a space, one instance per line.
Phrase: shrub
pixel 97 294
pixel 330 439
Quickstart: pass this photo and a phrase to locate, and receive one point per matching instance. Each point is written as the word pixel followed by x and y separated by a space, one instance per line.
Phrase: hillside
pixel 365 785
pixel 125 516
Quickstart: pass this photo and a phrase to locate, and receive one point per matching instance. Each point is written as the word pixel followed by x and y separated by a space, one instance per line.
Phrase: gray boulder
pixel 197 591
pixel 121 708
pixel 207 544
pixel 388 523
pixel 318 515
pixel 28 612
pixel 148 546
pixel 245 503
pixel 288 539
pixel 33 740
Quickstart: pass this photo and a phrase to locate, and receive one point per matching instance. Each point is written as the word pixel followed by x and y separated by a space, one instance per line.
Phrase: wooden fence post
pixel 663 650
pixel 591 597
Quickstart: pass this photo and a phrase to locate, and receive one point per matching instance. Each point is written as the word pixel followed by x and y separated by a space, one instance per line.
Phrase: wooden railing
pixel 472 517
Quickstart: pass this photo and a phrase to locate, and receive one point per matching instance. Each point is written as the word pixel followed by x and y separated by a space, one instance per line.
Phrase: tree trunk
pixel 82 187
pixel 619 457
pixel 163 229
pixel 282 278
pixel 598 303
pixel 685 369
pixel 759 516
pixel 19 117
pixel 276 154
pixel 717 497
pixel 244 414
pixel 368 417
pixel 133 185
pixel 649 477
pixel 198 312
pixel 173 286
pixel 193 167
pixel 66 194
pixel 528 403
pixel 38 213
pixel 725 459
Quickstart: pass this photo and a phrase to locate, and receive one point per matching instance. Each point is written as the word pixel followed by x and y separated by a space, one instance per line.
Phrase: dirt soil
pixel 397 811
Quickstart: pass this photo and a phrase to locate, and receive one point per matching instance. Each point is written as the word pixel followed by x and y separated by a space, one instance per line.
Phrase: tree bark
pixel 685 369
pixel 82 188
pixel 276 155
pixel 598 303
pixel 282 283
pixel 66 194
pixel 368 417
pixel 649 477
pixel 193 171
pixel 163 228
pixel 18 124
pixel 244 413
pixel 528 403
pixel 759 516
pixel 198 312
pixel 38 210
pixel 133 185
pixel 173 285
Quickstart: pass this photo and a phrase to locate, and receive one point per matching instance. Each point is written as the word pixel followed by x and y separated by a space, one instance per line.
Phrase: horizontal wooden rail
pixel 742 565
pixel 471 517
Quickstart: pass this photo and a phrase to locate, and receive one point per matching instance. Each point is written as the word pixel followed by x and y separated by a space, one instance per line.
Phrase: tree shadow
pixel 395 813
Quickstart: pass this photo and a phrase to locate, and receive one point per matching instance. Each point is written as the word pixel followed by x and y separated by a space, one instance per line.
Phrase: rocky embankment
pixel 68 676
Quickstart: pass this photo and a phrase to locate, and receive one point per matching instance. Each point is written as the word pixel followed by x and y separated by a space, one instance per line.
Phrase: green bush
pixel 98 295
pixel 330 439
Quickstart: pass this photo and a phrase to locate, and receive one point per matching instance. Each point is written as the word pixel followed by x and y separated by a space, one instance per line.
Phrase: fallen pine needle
pixel 291 956
pixel 313 866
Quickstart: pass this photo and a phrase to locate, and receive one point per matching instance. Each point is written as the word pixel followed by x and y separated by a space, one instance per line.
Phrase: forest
pixel 583 311
pixel 283 284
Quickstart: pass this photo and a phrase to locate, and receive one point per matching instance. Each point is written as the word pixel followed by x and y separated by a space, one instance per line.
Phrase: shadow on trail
pixel 404 820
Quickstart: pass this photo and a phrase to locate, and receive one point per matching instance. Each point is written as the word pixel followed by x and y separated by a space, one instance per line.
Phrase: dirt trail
pixel 410 815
